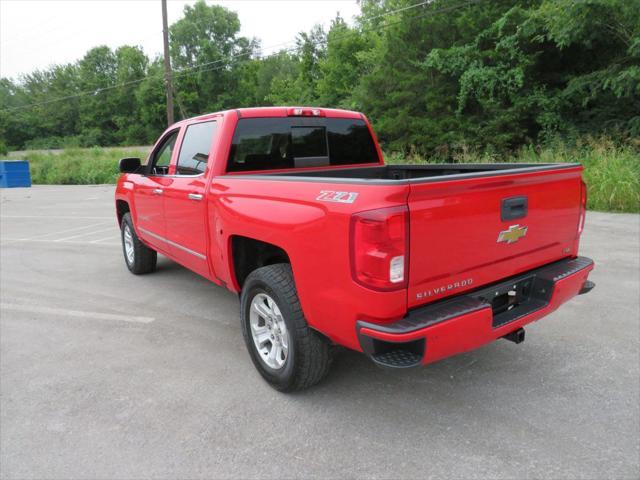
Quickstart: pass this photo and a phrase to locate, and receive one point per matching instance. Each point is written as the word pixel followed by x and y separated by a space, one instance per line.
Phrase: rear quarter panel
pixel 315 236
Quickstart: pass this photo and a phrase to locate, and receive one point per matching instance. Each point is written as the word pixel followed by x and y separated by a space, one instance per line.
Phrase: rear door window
pixel 280 143
pixel 194 152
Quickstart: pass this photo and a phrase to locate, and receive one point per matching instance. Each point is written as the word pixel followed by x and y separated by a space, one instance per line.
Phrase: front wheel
pixel 285 350
pixel 138 257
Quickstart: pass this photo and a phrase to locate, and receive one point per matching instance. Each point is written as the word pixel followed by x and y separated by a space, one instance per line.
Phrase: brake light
pixel 305 112
pixel 583 206
pixel 379 248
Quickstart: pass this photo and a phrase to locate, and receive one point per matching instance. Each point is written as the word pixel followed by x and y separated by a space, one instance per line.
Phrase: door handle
pixel 157 191
pixel 195 196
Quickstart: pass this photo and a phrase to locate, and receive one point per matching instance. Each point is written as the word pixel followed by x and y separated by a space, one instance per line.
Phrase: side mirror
pixel 129 165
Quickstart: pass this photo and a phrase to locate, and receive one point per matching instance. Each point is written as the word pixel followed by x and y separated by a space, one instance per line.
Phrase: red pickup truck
pixel 295 210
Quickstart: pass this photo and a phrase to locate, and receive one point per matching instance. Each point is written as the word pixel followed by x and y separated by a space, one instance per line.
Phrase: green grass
pixel 77 166
pixel 612 171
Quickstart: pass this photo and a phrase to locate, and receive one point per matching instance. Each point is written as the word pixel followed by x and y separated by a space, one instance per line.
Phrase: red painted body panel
pixel 149 210
pixel 185 222
pixel 455 225
pixel 453 229
pixel 315 236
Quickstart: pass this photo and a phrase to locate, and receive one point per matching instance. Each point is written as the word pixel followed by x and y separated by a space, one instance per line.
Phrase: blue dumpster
pixel 14 173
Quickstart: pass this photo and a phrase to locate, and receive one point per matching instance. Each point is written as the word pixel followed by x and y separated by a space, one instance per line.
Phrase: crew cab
pixel 294 209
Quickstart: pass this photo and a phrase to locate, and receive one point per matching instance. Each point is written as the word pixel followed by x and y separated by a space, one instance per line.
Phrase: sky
pixel 35 34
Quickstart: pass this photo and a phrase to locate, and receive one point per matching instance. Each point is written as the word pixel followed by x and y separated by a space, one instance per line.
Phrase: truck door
pixel 185 199
pixel 149 193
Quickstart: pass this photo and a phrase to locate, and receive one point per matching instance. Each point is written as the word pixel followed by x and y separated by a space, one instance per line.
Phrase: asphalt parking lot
pixel 108 375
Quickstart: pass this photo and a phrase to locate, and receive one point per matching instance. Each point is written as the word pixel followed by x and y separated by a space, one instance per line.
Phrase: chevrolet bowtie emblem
pixel 512 234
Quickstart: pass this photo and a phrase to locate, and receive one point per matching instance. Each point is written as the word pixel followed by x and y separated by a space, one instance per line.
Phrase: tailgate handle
pixel 513 207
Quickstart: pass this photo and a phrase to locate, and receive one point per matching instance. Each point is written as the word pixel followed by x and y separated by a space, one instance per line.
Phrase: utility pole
pixel 167 64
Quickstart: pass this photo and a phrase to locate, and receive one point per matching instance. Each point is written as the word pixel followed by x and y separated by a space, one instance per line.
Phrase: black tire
pixel 144 258
pixel 309 354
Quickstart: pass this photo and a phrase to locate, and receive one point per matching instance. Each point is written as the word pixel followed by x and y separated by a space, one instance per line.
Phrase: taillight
pixel 583 205
pixel 379 248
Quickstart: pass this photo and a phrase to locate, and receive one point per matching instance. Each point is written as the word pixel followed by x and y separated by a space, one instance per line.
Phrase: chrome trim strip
pixel 173 244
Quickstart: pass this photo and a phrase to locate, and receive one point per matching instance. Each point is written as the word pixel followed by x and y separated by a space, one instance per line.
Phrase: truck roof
pixel 282 111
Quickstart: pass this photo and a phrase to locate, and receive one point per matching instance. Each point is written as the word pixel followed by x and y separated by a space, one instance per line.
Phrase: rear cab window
pixel 296 142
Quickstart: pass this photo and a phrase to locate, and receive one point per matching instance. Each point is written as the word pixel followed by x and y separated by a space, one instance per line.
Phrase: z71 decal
pixel 340 197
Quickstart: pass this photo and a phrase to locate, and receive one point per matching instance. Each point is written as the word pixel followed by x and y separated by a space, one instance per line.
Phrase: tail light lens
pixel 583 206
pixel 379 248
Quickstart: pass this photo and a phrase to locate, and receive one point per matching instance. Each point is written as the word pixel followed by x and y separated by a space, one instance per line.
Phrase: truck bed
pixel 413 173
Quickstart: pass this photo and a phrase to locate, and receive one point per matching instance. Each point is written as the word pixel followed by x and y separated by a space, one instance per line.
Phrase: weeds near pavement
pixel 612 171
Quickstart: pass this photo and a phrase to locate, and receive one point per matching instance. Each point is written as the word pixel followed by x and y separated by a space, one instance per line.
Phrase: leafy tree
pixel 599 44
pixel 206 52
pixel 342 66
pixel 414 107
pixel 13 131
pixel 150 97
pixel 131 66
pixel 435 78
pixel 542 69
pixel 98 72
pixel 273 71
pixel 299 85
pixel 311 51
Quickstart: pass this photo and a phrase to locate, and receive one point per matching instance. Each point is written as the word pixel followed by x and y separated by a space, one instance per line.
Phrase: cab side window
pixel 196 145
pixel 161 157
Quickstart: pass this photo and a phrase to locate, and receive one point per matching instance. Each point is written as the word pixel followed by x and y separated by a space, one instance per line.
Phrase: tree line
pixel 491 75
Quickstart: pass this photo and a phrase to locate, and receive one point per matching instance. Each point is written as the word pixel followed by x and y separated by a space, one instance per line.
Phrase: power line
pixel 201 68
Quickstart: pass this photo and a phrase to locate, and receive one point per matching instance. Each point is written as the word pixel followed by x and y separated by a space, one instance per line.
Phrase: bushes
pixel 46 143
pixel 613 178
pixel 87 139
pixel 78 166
pixel 612 171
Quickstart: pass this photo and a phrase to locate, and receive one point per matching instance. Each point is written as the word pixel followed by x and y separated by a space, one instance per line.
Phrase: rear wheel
pixel 285 350
pixel 139 258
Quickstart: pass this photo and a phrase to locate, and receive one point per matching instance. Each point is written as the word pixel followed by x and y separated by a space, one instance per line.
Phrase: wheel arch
pixel 122 207
pixel 248 254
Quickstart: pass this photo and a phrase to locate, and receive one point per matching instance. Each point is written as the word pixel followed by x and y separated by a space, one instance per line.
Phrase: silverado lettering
pixel 262 201
pixel 444 288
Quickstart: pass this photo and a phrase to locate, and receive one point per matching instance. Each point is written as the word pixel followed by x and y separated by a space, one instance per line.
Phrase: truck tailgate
pixel 465 233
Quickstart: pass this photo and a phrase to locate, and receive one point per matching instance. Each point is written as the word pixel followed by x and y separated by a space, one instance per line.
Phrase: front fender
pixel 124 193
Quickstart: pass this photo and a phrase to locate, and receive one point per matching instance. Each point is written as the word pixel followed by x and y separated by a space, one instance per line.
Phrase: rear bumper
pixel 468 321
